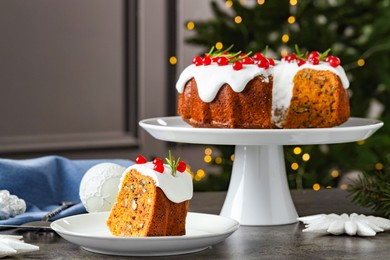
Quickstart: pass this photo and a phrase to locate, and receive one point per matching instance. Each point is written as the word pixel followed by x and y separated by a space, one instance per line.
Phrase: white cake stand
pixel 258 192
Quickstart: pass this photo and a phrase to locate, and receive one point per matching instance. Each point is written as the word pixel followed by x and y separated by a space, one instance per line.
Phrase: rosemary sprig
pixel 301 55
pixel 233 57
pixel 172 162
pixel 324 54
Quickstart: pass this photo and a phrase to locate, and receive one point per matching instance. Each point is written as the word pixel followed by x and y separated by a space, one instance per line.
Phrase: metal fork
pixel 64 205
pixel 43 224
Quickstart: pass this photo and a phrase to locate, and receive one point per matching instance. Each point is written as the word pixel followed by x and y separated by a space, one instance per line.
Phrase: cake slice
pixel 318 100
pixel 153 200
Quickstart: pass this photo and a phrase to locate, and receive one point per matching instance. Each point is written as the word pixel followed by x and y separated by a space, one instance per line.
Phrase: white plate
pixel 91 233
pixel 174 129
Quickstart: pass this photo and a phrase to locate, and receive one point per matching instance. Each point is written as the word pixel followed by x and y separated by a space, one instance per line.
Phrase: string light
pixel 294 166
pixel 285 38
pixel 293 2
pixel 232 157
pixel 306 157
pixel 208 151
pixel 200 174
pixel 344 186
pixel 361 62
pixel 207 159
pixel 219 45
pixel 238 19
pixel 218 160
pixel 291 19
pixel 188 169
pixel 297 150
pixel 335 173
pixel 172 60
pixel 229 3
pixel 283 52
pixel 190 25
pixel 379 166
pixel 329 187
pixel 260 2
pixel 316 187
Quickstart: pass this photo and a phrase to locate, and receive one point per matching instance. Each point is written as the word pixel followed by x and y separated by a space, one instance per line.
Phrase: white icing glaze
pixel 209 79
pixel 177 188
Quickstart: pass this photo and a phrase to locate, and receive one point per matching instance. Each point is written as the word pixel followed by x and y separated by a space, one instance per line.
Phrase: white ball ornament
pixel 99 186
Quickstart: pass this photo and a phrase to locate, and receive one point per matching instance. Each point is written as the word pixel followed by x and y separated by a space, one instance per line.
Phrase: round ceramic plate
pixel 91 233
pixel 174 129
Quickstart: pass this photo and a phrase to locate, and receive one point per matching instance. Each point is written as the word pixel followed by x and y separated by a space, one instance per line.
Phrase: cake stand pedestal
pixel 258 192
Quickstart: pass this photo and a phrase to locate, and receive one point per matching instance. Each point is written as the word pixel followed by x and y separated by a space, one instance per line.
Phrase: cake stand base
pixel 258 192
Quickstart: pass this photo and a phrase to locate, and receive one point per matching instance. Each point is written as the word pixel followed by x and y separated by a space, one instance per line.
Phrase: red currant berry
pixel 257 56
pixel 140 159
pixel 300 62
pixel 314 61
pixel 157 161
pixel 263 63
pixel 291 57
pixel 197 61
pixel 237 65
pixel 182 166
pixel 222 61
pixel 333 61
pixel 313 54
pixel 206 60
pixel 215 59
pixel 271 61
pixel 159 168
pixel 247 60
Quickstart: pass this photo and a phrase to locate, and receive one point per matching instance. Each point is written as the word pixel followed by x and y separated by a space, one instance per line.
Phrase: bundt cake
pixel 238 91
pixel 153 199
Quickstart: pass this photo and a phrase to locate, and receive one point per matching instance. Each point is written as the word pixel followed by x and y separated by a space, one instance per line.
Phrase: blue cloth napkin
pixel 44 183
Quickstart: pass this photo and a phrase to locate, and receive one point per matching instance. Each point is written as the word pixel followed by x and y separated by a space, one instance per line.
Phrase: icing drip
pixel 177 188
pixel 211 78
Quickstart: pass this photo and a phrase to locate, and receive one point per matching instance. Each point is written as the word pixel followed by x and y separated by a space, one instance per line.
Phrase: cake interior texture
pixel 142 209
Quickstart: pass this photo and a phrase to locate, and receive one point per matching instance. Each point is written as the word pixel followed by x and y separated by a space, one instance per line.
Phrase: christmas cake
pixel 153 199
pixel 234 90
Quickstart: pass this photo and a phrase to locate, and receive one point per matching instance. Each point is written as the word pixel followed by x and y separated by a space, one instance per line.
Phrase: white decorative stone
pixel 99 186
pixel 352 225
pixel 12 245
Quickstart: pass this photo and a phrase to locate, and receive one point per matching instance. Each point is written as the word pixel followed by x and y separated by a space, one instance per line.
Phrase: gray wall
pixel 64 77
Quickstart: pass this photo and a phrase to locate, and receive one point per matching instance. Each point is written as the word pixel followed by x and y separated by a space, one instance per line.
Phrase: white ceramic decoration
pixel 91 233
pixel 10 205
pixel 12 245
pixel 99 186
pixel 352 225
pixel 258 193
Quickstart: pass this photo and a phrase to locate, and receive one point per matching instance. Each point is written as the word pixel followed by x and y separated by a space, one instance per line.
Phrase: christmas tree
pixel 356 31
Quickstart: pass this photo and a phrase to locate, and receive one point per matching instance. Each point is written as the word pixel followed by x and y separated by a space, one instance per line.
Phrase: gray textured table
pixel 260 242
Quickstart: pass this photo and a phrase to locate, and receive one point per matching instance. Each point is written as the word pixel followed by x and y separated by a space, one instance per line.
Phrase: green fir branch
pixel 373 192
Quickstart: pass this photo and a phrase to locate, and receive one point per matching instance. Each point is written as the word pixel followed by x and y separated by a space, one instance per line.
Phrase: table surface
pixel 249 242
